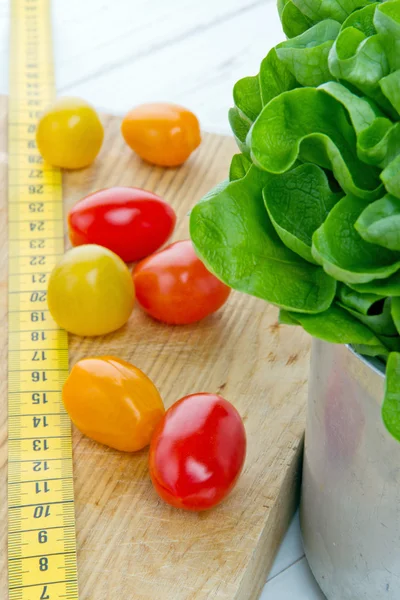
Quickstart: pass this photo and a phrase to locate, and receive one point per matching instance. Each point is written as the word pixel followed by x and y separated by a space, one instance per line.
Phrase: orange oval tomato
pixel 174 286
pixel 162 134
pixel 113 402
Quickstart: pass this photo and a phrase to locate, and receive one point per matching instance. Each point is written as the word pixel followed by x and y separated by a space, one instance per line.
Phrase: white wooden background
pixel 119 53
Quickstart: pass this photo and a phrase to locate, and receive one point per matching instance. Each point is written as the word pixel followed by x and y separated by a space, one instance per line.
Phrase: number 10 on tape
pixel 41 523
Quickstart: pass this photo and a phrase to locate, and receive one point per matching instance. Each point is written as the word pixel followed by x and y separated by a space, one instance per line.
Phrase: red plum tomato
pixel 197 452
pixel 131 222
pixel 174 286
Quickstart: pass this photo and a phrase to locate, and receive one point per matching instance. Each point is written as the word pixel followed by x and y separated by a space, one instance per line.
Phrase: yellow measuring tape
pixel 42 548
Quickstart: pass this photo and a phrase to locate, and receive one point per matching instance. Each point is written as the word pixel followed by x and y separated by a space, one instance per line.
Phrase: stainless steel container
pixel 350 508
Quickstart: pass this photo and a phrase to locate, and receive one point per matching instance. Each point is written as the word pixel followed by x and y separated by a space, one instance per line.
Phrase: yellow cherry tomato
pixel 113 402
pixel 90 291
pixel 162 134
pixel 69 134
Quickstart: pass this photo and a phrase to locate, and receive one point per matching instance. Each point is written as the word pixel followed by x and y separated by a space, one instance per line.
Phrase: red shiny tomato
pixel 197 452
pixel 131 222
pixel 175 287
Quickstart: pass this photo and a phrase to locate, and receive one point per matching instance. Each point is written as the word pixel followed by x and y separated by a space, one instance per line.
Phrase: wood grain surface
pixel 131 546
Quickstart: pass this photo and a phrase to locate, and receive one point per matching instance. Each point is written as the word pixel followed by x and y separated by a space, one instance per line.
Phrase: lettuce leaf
pixel 362 19
pixel 396 312
pixel 306 56
pixel 247 98
pixel 391 403
pixel 344 254
pixel 391 177
pixel 258 263
pixel 361 303
pixel 293 21
pixel 379 144
pixel 381 323
pixel 379 223
pixel 275 78
pixel 390 86
pixel 391 342
pixel 250 94
pixel 337 326
pixel 384 287
pixel 239 167
pixel 387 24
pixel 298 203
pixel 358 57
pixel 240 126
pixel 317 10
pixel 312 125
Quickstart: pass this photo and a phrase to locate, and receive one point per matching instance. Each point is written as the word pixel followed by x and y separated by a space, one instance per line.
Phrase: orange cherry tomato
pixel 113 402
pixel 162 134
pixel 174 286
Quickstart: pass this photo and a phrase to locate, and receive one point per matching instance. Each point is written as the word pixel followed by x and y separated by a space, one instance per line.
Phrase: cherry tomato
pixel 175 287
pixel 69 134
pixel 113 402
pixel 90 291
pixel 162 134
pixel 131 222
pixel 197 452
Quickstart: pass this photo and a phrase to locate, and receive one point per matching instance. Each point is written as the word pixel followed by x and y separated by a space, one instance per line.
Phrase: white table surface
pixel 119 53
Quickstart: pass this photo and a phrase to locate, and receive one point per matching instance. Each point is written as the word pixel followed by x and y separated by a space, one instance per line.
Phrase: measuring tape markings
pixel 41 544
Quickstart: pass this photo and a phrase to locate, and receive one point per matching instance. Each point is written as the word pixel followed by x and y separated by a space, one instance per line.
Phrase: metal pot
pixel 350 508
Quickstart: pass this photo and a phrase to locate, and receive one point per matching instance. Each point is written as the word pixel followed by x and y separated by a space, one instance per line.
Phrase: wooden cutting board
pixel 132 546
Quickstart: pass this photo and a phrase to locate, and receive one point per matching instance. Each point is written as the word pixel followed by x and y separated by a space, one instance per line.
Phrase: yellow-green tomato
pixel 69 134
pixel 90 291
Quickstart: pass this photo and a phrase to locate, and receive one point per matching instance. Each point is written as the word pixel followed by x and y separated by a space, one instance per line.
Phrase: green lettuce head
pixel 310 217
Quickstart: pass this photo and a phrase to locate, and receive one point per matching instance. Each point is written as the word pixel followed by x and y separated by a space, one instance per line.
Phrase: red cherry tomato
pixel 197 452
pixel 131 222
pixel 175 287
